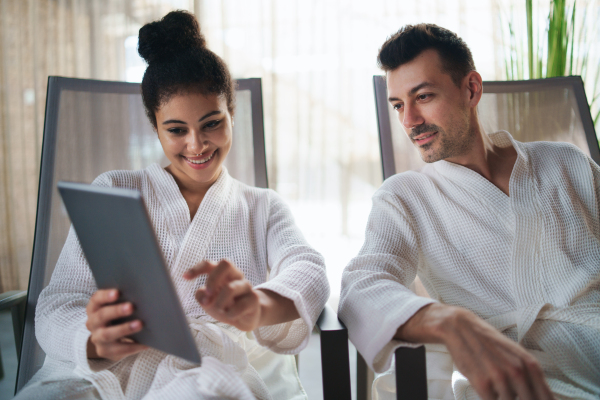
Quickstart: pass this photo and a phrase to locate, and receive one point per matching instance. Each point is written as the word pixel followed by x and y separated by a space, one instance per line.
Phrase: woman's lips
pixel 199 162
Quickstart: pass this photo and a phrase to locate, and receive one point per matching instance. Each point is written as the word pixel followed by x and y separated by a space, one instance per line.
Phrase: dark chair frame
pixel 333 333
pixel 411 373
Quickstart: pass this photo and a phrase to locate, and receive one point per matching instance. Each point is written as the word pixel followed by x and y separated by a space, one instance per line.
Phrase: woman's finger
pixel 228 293
pixel 223 273
pixel 114 333
pixel 244 305
pixel 106 314
pixel 101 298
pixel 117 351
pixel 203 267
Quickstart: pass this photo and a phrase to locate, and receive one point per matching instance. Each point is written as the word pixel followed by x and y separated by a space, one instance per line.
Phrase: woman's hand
pixel 230 298
pixel 110 341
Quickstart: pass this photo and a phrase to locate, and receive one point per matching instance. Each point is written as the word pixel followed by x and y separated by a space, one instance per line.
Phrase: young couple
pixel 504 235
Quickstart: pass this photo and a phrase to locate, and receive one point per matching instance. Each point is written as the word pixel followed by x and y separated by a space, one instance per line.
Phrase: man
pixel 505 237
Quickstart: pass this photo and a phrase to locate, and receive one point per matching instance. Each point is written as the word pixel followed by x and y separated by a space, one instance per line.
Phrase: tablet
pixel 118 240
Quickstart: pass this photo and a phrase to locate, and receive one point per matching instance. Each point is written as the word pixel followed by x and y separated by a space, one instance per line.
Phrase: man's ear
pixel 475 88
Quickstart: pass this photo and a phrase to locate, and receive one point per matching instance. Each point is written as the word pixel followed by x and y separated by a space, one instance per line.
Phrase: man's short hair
pixel 411 40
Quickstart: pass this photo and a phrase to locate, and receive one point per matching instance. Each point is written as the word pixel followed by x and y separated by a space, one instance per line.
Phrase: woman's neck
pixel 193 192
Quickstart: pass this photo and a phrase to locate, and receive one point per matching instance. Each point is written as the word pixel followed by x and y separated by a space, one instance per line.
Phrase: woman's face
pixel 195 133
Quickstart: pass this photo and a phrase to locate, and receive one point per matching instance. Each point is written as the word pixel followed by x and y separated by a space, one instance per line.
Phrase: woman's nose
pixel 197 142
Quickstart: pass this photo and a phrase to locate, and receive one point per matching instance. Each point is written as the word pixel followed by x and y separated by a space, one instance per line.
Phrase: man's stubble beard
pixel 455 144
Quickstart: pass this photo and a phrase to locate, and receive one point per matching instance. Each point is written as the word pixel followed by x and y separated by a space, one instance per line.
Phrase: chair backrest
pixel 96 126
pixel 553 109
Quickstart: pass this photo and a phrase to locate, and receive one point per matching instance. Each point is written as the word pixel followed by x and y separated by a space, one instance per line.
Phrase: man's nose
pixel 411 117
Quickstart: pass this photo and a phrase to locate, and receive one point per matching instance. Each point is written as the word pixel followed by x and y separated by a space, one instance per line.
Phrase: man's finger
pixel 505 391
pixel 203 267
pixel 223 273
pixel 538 381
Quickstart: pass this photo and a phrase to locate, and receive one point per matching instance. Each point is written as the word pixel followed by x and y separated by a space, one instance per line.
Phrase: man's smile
pixel 424 138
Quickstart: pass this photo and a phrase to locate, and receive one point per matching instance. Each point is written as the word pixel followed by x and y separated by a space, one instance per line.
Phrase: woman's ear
pixel 475 88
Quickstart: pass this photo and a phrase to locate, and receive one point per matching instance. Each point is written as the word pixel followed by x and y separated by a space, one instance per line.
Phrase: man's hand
pixel 107 340
pixel 230 298
pixel 496 367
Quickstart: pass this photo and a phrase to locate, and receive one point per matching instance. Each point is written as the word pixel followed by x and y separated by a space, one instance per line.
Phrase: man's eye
pixel 398 107
pixel 422 96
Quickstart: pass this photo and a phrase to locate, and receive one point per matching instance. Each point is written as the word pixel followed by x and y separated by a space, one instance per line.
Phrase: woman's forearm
pixel 275 309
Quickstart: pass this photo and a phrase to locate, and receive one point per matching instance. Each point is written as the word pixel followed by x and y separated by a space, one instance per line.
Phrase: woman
pixel 249 310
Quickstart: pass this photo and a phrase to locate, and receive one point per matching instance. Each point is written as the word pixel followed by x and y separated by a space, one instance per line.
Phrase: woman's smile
pixel 200 162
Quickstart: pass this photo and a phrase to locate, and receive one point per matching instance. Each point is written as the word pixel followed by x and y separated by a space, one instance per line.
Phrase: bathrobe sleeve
pixel 296 271
pixel 60 314
pixel 375 300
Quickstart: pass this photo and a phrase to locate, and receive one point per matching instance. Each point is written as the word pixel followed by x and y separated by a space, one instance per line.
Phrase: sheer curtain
pixel 316 59
pixel 38 38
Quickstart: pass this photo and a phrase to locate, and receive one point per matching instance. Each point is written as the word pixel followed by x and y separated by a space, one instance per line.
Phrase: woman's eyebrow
pixel 210 114
pixel 173 121
pixel 176 121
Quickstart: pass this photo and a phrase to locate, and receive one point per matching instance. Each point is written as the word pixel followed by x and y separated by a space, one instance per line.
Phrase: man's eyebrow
pixel 413 90
pixel 176 121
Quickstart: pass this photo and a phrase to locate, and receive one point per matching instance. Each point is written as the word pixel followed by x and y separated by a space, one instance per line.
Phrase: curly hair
pixel 179 62
pixel 412 40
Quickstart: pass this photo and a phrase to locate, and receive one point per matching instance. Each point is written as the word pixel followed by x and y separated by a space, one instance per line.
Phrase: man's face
pixel 434 111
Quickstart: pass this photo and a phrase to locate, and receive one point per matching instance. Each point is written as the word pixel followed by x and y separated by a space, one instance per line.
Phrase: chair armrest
pixel 15 300
pixel 328 321
pixel 411 373
pixel 335 360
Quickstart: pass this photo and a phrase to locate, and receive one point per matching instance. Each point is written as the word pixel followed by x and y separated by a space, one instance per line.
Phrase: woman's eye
pixel 213 124
pixel 176 131
pixel 398 107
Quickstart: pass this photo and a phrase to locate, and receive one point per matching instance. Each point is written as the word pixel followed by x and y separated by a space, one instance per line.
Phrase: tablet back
pixel 118 240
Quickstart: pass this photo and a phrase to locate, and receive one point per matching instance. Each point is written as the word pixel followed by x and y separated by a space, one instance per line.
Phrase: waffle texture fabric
pixel 251 227
pixel 529 264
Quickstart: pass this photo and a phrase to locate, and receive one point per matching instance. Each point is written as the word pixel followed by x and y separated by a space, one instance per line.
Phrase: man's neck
pixel 490 161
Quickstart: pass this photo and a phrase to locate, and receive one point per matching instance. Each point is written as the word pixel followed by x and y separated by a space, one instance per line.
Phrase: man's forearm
pixel 431 324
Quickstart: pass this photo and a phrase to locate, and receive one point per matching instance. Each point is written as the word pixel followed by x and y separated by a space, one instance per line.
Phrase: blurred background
pixel 316 59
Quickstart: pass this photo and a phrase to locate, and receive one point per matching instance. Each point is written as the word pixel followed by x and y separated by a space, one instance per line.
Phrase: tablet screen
pixel 118 240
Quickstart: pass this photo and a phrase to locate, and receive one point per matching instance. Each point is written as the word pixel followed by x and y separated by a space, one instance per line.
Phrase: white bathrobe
pixel 250 226
pixel 529 264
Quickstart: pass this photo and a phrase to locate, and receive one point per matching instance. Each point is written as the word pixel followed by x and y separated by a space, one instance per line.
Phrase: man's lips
pixel 424 138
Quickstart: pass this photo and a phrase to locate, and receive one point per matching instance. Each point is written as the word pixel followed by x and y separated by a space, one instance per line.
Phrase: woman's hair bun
pixel 177 32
